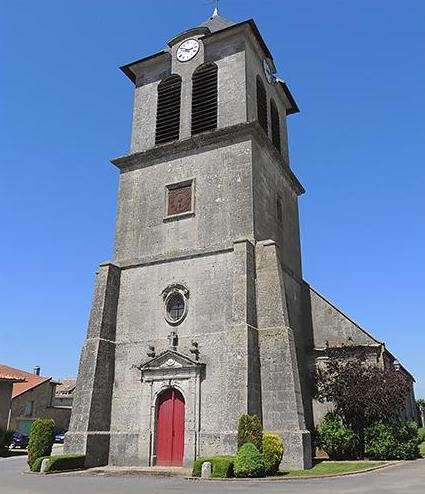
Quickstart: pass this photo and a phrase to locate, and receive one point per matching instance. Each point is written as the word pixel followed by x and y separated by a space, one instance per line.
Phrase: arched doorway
pixel 170 428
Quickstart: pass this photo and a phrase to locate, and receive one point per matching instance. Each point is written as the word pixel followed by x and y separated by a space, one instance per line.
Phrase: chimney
pixel 36 370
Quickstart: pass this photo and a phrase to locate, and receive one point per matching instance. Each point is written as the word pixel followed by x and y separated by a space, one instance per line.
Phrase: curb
pixel 108 473
pixel 57 472
pixel 121 473
pixel 305 477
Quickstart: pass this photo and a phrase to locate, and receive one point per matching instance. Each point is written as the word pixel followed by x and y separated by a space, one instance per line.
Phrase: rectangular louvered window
pixel 274 116
pixel 261 104
pixel 168 110
pixel 204 99
pixel 279 212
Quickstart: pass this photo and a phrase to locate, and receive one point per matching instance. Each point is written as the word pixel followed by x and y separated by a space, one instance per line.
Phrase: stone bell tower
pixel 197 318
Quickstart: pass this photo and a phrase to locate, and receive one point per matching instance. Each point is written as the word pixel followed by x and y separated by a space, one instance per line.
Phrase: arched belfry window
pixel 168 110
pixel 261 104
pixel 274 117
pixel 204 98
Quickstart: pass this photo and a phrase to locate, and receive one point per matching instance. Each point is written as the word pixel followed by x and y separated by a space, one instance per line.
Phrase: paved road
pixel 402 479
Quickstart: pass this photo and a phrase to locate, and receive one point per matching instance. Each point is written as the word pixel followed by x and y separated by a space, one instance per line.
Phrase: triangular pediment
pixel 169 359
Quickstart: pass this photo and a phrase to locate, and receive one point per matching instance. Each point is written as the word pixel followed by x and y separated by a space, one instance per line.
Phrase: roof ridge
pixel 20 371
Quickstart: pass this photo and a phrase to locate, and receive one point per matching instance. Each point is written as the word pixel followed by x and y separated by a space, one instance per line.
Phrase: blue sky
pixel 356 69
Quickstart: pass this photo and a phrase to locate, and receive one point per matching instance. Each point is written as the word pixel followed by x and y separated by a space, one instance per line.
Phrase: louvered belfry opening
pixel 168 110
pixel 261 104
pixel 274 117
pixel 204 98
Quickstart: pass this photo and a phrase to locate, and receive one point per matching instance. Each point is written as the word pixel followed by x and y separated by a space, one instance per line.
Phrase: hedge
pixel 66 462
pixel 221 466
pixel 249 462
pixel 41 439
pixel 60 462
pixel 394 441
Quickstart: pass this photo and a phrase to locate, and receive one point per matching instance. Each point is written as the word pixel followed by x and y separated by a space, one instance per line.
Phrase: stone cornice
pixel 169 257
pixel 205 141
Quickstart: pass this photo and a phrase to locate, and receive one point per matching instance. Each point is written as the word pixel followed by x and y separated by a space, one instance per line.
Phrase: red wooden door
pixel 170 428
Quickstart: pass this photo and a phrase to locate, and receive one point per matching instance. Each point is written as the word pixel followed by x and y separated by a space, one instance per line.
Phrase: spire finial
pixel 215 13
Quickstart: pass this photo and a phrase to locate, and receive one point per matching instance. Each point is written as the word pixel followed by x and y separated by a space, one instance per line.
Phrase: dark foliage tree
pixel 360 392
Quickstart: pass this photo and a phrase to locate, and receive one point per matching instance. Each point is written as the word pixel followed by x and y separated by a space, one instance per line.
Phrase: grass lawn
pixel 333 467
pixel 422 448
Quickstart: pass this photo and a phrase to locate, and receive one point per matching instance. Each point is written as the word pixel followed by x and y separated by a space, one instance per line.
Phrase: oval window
pixel 175 308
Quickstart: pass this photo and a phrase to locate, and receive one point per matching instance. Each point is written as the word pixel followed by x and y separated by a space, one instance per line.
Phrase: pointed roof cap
pixel 216 22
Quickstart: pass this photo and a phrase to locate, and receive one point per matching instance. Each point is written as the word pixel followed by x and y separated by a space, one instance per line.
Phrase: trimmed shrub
pixel 394 441
pixel 59 462
pixel 421 434
pixel 221 466
pixel 66 462
pixel 249 462
pixel 41 440
pixel 250 430
pixel 338 441
pixel 272 452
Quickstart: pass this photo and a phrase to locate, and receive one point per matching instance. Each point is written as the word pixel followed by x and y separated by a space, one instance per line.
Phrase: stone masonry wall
pixel 5 396
pixel 222 204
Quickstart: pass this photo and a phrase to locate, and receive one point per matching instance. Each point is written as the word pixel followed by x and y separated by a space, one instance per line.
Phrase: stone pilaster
pixel 283 410
pixel 245 319
pixel 89 430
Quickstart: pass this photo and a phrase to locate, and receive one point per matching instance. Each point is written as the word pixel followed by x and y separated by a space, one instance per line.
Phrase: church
pixel 202 314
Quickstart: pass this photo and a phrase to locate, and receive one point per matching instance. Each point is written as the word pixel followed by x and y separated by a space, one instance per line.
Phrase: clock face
pixel 267 72
pixel 187 50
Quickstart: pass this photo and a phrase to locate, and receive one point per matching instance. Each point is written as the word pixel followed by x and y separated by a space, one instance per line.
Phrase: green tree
pixel 250 430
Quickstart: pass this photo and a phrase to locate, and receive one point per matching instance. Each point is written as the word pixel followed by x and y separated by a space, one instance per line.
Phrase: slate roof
pixel 216 23
pixel 27 380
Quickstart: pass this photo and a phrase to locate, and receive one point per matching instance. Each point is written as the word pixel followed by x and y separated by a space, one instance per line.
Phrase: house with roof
pixel 33 396
pixel 7 380
pixel 65 392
